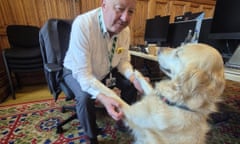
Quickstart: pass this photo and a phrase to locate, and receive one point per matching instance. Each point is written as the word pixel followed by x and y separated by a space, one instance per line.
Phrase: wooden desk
pixel 230 74
pixel 147 64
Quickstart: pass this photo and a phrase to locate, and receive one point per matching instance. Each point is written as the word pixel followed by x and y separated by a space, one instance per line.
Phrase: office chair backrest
pixel 54 40
pixel 23 36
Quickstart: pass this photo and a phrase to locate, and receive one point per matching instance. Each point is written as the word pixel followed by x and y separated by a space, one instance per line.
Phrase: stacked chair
pixel 24 54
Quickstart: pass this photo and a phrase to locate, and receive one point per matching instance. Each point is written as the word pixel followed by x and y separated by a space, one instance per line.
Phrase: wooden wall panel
pixel 43 11
pixel 89 5
pixel 162 7
pixel 137 25
pixel 55 9
pixel 177 8
pixel 5 15
pixel 17 9
pixel 33 12
pixel 210 2
pixel 36 12
pixel 4 42
pixel 195 7
pixel 208 9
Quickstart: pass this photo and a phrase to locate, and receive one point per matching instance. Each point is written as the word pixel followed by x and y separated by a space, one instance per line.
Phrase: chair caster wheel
pixel 63 110
pixel 59 130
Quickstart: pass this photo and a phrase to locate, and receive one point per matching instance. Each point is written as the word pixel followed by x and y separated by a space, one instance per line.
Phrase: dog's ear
pixel 194 84
pixel 201 88
pixel 193 79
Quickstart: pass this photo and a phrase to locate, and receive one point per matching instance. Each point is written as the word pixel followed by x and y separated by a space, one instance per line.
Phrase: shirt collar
pixel 102 25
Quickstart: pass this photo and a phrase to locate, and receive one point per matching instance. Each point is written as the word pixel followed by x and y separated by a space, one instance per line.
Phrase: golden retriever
pixel 175 111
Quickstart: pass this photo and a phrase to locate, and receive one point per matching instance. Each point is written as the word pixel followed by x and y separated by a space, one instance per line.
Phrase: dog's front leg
pixel 147 88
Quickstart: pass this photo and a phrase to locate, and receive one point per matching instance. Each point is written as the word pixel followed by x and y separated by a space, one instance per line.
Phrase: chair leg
pixel 68 108
pixel 18 85
pixel 9 76
pixel 12 87
pixel 59 126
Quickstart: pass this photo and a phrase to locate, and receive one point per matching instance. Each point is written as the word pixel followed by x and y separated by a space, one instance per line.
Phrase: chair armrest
pixel 51 67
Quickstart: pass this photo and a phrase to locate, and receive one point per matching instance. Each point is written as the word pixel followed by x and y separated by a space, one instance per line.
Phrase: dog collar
pixel 164 99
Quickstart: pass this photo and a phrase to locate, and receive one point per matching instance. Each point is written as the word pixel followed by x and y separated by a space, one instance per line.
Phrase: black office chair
pixel 54 40
pixel 24 53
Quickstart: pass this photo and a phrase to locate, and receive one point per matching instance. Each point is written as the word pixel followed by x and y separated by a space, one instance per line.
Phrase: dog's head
pixel 196 72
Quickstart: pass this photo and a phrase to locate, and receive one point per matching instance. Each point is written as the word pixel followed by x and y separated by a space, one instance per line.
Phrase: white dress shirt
pixel 89 48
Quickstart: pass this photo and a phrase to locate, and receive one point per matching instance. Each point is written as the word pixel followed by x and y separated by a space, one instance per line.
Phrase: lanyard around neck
pixel 111 53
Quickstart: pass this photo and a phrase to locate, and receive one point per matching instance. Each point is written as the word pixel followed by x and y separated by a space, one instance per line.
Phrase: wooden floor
pixel 28 94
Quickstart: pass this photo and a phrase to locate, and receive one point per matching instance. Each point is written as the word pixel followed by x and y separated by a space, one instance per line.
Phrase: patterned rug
pixel 35 123
pixel 225 125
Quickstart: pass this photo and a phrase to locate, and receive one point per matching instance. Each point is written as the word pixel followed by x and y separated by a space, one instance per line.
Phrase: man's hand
pixel 117 91
pixel 111 105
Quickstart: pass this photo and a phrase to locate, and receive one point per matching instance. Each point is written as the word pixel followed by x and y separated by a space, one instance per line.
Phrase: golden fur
pixel 196 81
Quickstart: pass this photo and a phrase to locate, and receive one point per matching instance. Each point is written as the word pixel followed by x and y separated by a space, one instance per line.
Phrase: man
pixel 98 54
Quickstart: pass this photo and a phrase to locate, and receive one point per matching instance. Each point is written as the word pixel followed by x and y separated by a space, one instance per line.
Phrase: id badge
pixel 111 82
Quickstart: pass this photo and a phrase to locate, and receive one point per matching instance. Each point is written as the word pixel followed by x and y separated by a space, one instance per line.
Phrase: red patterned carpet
pixel 35 123
pixel 225 125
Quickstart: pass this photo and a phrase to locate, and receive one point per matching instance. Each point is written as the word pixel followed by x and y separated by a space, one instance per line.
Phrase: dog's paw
pixel 138 75
pixel 145 85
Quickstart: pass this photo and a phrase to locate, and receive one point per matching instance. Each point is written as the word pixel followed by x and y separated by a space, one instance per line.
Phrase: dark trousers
pixel 85 105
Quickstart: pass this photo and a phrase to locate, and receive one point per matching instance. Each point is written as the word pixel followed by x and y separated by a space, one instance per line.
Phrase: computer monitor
pixel 226 21
pixel 205 31
pixel 178 31
pixel 204 38
pixel 198 16
pixel 156 30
